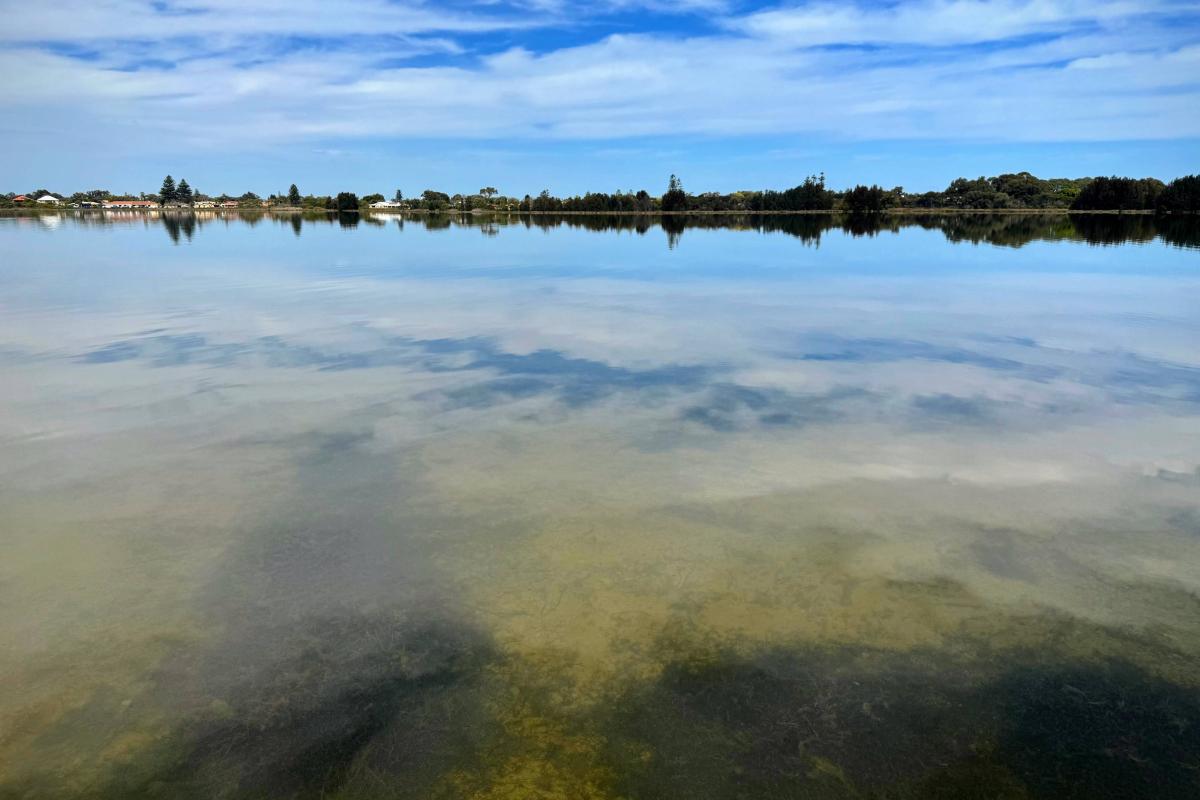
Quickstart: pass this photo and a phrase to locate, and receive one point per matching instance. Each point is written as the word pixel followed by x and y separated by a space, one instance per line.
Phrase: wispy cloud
pixel 84 20
pixel 282 70
pixel 938 22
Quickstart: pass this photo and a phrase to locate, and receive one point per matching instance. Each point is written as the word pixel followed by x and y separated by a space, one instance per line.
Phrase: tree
pixel 293 196
pixel 808 196
pixel 978 193
pixel 167 193
pixel 1119 194
pixel 1180 195
pixel 434 200
pixel 546 202
pixel 347 201
pixel 399 197
pixel 675 198
pixel 488 192
pixel 184 193
pixel 866 199
pixel 91 196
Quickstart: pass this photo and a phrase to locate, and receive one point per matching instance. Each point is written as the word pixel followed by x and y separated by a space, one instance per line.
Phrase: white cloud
pixel 95 20
pixel 933 22
pixel 1094 79
pixel 92 20
pixel 1181 64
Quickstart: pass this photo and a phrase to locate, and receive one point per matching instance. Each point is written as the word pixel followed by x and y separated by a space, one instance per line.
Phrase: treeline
pixel 1009 191
pixel 1181 195
pixel 1020 190
pixel 1025 191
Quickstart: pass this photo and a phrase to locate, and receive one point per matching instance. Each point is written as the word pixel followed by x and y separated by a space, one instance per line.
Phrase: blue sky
pixel 374 95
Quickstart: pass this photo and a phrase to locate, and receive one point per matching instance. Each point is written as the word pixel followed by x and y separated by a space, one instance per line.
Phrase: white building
pixel 387 204
pixel 49 200
pixel 145 204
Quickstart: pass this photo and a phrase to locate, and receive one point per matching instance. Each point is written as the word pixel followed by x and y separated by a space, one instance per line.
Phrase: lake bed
pixel 599 507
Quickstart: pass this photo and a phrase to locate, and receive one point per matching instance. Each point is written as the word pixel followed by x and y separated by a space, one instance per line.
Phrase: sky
pixel 379 95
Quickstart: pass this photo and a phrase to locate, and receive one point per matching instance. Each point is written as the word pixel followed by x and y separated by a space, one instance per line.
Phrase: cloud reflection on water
pixel 434 518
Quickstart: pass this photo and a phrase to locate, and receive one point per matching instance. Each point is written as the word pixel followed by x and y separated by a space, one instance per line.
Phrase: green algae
pixel 706 540
pixel 749 649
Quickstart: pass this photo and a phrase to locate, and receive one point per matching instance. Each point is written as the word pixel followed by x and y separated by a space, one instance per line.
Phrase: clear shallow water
pixel 597 508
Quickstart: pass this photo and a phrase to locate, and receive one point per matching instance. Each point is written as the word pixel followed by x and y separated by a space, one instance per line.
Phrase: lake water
pixel 599 508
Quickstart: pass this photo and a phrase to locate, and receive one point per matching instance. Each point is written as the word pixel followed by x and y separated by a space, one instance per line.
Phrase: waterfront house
pixel 20 198
pixel 145 204
pixel 205 204
pixel 229 204
pixel 49 199
pixel 387 204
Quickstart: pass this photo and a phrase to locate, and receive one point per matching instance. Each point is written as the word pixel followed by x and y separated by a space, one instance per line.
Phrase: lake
pixel 599 507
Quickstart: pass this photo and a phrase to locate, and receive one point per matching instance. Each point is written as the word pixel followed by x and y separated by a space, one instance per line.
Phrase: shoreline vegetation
pixel 833 212
pixel 1008 193
pixel 1005 228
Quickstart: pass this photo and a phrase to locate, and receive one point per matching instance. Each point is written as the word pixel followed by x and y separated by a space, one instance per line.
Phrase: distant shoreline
pixel 292 210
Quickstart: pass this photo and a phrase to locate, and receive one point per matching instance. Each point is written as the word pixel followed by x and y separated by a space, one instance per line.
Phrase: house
pixel 205 204
pixel 88 204
pixel 229 204
pixel 49 200
pixel 20 198
pixel 387 204
pixel 130 204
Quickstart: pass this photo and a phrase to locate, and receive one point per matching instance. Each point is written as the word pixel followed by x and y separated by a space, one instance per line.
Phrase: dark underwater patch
pixel 850 723
pixel 295 726
pixel 372 706
pixel 1104 731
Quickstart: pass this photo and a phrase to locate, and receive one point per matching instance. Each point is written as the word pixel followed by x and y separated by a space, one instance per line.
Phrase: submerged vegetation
pixel 857 723
pixel 372 707
pixel 814 682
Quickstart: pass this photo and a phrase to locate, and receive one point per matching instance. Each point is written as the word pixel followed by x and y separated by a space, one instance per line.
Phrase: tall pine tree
pixel 674 199
pixel 293 196
pixel 168 192
pixel 184 193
